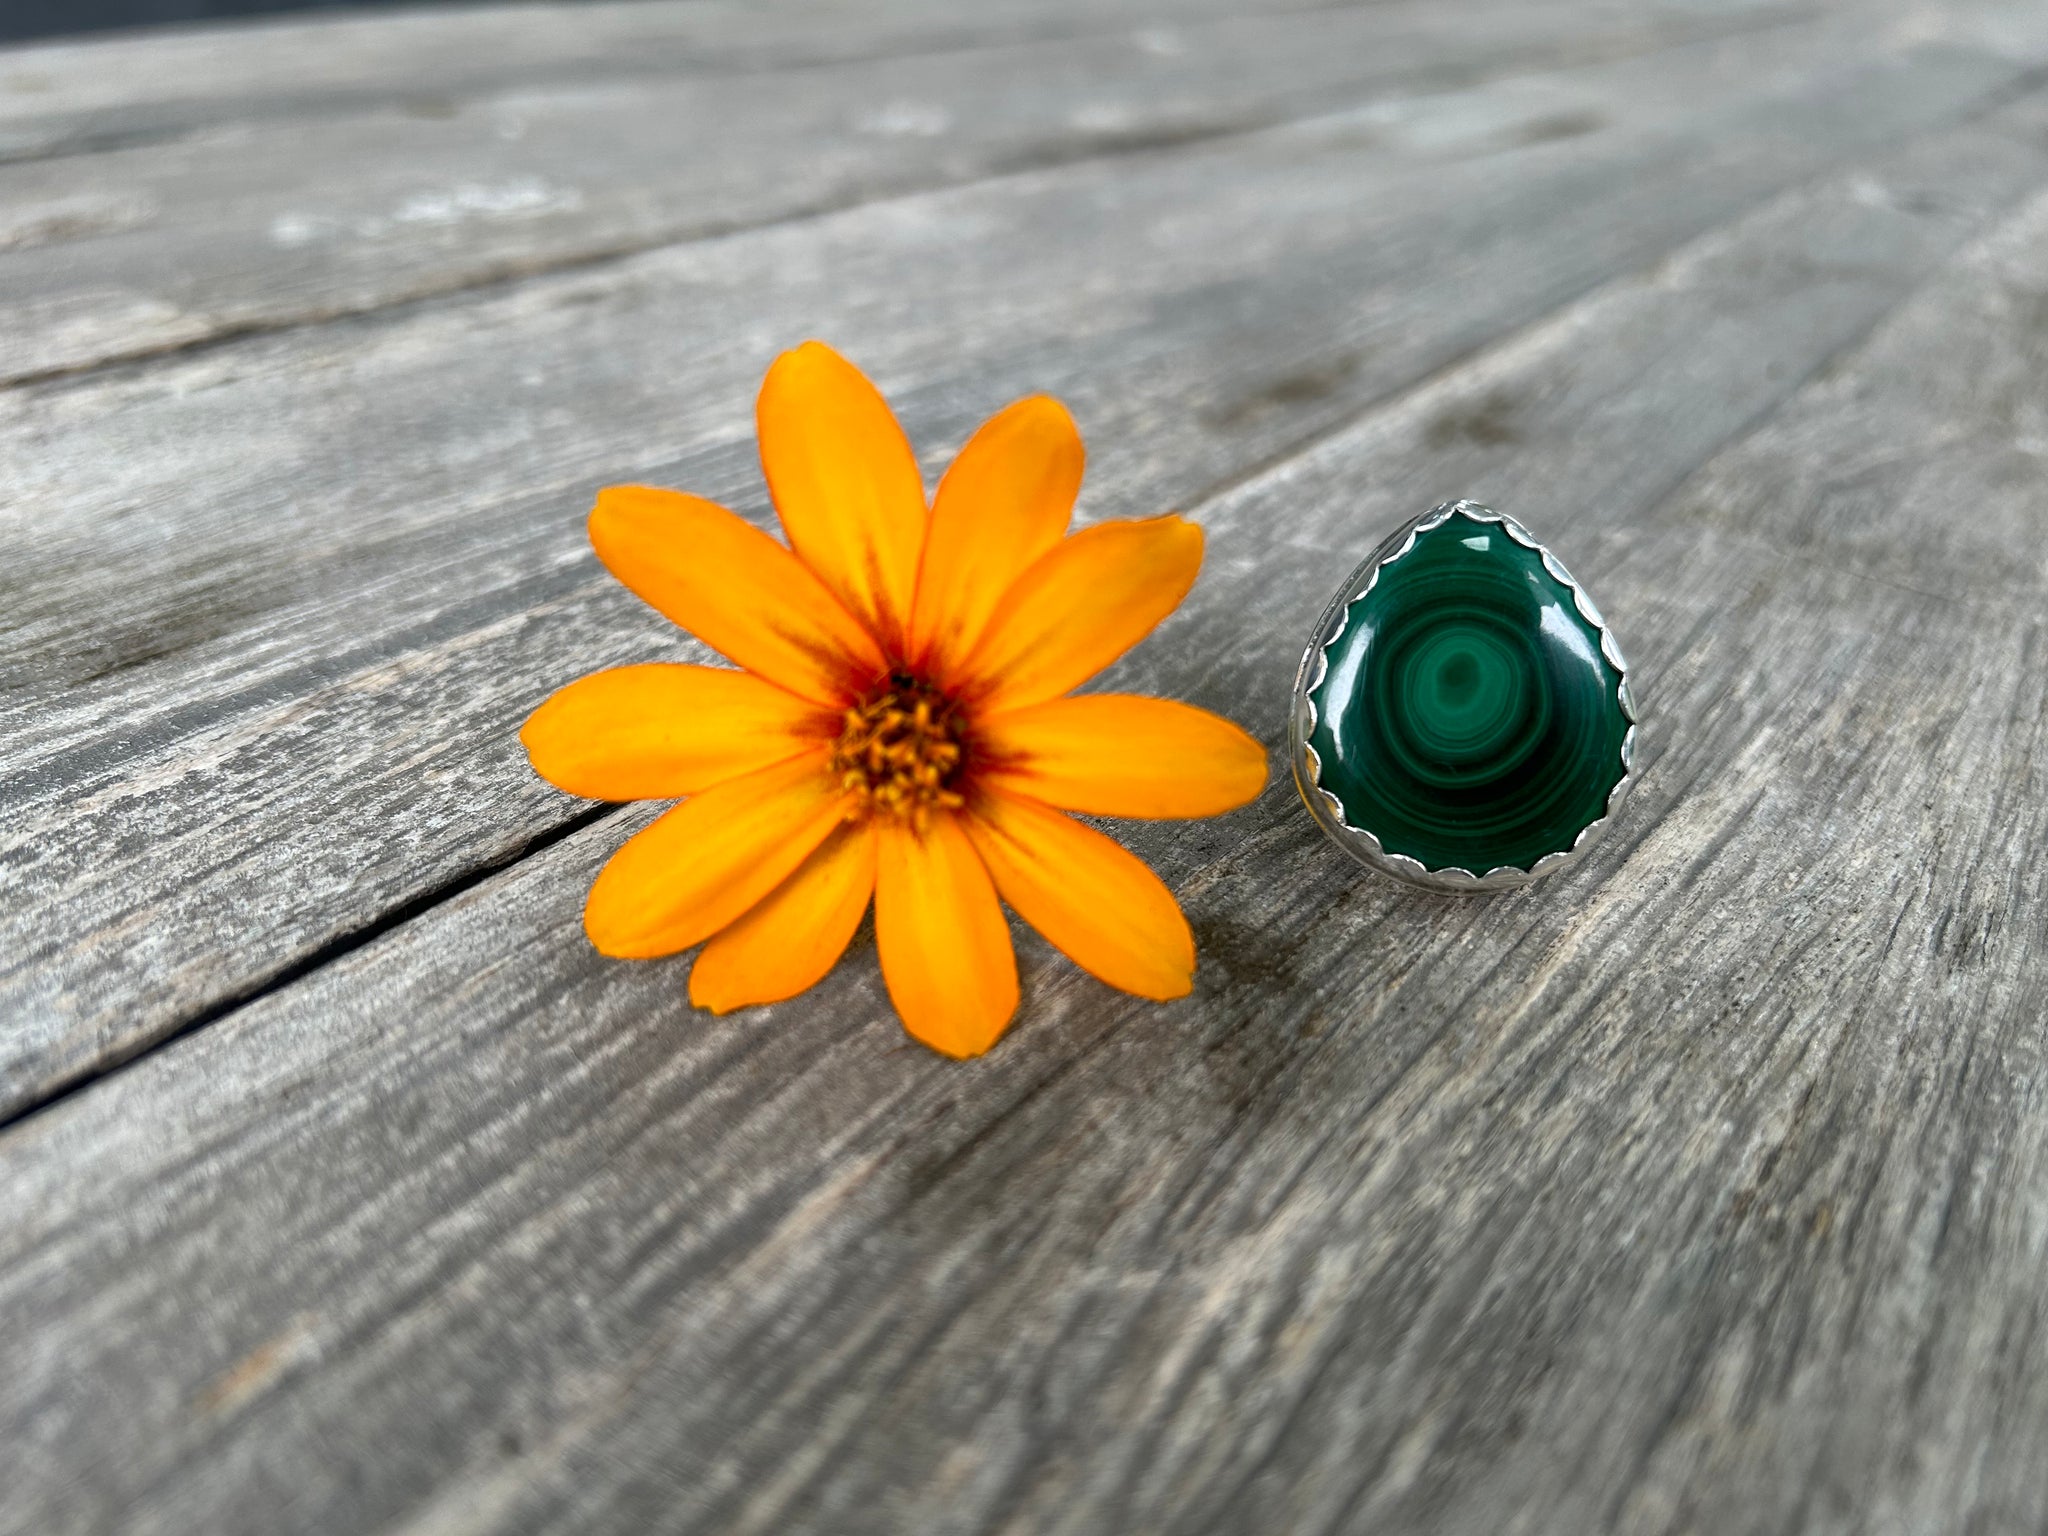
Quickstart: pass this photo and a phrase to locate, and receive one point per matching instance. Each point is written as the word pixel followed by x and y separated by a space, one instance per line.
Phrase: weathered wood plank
pixel 77 96
pixel 392 510
pixel 170 244
pixel 1701 1188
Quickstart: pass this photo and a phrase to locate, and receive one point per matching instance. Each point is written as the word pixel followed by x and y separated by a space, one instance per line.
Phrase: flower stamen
pixel 900 752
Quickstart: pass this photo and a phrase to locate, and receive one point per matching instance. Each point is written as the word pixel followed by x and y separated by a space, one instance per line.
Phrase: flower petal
pixel 944 942
pixel 735 589
pixel 845 483
pixel 1080 606
pixel 1006 500
pixel 1119 754
pixel 685 876
pixel 796 934
pixel 1095 900
pixel 665 729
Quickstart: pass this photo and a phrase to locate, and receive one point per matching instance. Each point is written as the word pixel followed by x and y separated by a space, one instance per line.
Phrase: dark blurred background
pixel 21 20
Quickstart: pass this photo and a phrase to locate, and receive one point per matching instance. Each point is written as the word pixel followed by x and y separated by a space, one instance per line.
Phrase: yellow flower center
pixel 900 752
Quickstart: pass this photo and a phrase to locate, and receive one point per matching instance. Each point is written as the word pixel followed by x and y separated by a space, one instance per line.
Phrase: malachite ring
pixel 1462 717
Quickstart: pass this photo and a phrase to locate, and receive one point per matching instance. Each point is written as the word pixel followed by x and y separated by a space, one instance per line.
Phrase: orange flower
pixel 903 725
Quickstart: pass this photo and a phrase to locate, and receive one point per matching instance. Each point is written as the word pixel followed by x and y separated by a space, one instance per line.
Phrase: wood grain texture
pixel 1701 1188
pixel 246 726
pixel 81 96
pixel 296 221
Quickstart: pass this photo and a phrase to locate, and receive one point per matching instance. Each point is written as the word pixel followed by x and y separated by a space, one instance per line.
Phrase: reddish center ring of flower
pixel 900 752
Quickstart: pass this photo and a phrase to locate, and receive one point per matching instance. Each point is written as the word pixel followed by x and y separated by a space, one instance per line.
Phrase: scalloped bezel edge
pixel 1325 807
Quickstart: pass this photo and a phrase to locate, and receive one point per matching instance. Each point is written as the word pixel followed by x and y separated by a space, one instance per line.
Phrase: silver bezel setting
pixel 1324 806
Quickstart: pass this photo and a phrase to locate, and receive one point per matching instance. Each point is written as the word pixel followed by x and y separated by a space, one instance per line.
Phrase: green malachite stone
pixel 1468 718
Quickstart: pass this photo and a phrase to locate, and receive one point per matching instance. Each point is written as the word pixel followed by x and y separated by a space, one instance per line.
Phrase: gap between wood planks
pixel 634 58
pixel 1472 360
pixel 711 57
pixel 405 291
pixel 336 948
pixel 516 273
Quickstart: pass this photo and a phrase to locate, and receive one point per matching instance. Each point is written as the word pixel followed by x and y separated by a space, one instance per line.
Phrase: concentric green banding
pixel 1468 718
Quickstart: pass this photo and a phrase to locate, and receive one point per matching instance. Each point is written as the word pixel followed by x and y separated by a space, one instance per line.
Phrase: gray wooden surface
pixel 1703 1188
